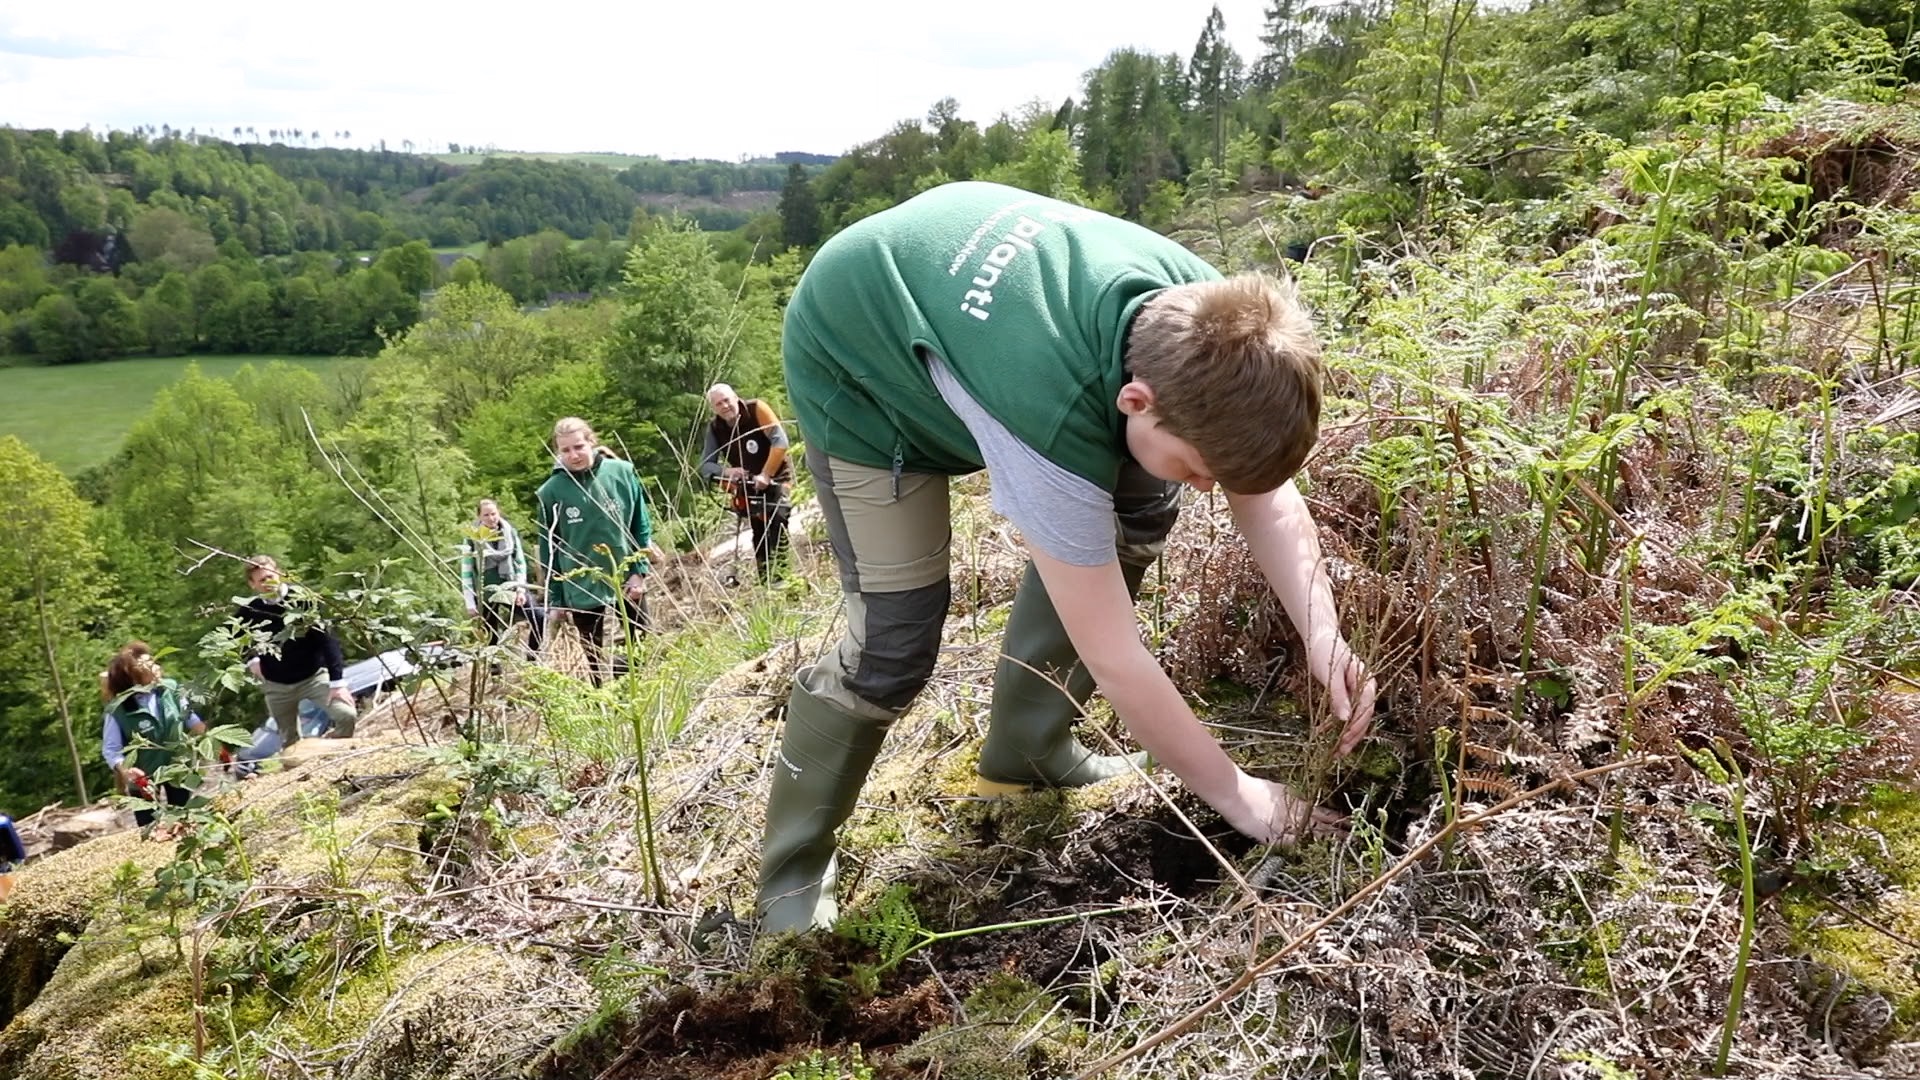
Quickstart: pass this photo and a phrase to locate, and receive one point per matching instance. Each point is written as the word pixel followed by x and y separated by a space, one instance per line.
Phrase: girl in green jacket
pixel 594 538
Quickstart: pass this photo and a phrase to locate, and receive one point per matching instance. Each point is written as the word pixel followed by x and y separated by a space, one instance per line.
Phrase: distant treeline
pixel 1380 115
pixel 62 191
pixel 188 296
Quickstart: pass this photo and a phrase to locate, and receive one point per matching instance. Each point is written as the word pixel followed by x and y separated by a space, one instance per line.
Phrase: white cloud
pixel 701 79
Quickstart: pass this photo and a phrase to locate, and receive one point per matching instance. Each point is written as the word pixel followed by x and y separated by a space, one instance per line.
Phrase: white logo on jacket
pixel 1017 239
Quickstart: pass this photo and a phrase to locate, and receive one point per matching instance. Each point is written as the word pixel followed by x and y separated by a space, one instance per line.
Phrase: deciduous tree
pixel 55 610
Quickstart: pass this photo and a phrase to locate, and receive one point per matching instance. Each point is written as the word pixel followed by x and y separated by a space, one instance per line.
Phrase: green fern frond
pixel 892 928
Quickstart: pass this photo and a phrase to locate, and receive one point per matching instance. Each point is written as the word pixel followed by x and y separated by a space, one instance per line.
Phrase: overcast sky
pixel 693 78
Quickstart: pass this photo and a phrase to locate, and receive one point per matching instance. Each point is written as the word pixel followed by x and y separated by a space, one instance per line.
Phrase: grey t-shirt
pixel 1067 516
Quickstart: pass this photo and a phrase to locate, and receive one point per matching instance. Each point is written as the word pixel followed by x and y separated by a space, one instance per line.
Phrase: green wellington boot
pixel 1030 739
pixel 824 759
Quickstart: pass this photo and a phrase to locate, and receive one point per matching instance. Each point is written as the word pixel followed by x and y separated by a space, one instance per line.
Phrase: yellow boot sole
pixel 997 789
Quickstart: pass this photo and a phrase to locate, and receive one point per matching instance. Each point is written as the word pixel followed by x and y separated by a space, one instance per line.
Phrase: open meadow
pixel 75 415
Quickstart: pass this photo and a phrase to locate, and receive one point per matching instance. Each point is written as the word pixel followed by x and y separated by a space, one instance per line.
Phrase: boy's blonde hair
pixel 1235 371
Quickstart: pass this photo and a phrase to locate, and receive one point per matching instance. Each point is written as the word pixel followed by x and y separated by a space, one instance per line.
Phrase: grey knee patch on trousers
pixel 902 644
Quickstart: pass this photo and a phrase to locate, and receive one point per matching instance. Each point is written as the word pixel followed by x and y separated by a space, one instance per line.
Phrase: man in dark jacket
pixel 746 449
pixel 299 665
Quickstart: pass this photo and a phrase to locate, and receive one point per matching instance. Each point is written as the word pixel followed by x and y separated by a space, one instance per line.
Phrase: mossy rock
pixel 380 797
pixel 111 1006
pixel 438 1015
pixel 101 1017
pixel 1882 962
pixel 434 1015
pixel 56 897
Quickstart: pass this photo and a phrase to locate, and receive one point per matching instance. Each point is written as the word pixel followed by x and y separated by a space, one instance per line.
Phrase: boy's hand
pixel 1350 688
pixel 1272 814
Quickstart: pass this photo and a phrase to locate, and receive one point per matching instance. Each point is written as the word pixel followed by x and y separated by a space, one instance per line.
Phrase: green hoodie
pixel 603 505
pixel 1027 299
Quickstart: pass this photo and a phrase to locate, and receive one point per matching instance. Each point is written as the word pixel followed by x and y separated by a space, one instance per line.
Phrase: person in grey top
pixel 493 578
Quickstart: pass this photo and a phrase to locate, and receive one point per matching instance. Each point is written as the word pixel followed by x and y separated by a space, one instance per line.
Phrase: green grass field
pixel 76 415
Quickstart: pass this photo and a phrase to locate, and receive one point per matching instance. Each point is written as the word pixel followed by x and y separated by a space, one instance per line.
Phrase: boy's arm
pixel 336 660
pixel 1098 616
pixel 244 614
pixel 253 648
pixel 1285 543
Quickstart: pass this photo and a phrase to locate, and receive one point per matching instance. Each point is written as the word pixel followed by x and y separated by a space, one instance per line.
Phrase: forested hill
pixel 61 191
pixel 175 242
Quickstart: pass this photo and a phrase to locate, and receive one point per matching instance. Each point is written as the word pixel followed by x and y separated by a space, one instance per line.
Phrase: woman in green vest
pixel 493 567
pixel 147 718
pixel 1093 368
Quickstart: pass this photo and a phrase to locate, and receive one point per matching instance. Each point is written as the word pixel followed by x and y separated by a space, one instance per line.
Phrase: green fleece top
pixel 1027 299
pixel 581 511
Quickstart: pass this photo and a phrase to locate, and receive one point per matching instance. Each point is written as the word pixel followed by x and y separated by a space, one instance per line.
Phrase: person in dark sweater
pixel 306 665
pixel 746 449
